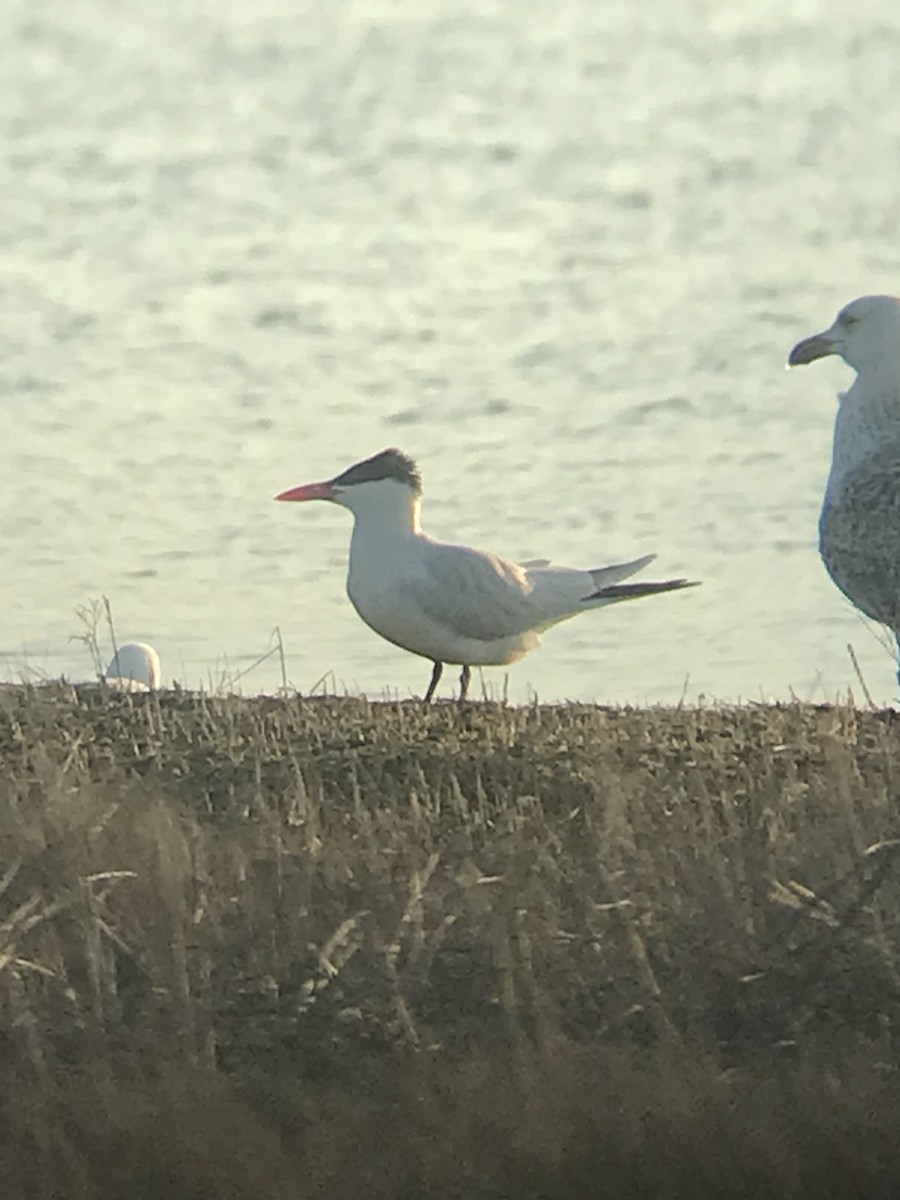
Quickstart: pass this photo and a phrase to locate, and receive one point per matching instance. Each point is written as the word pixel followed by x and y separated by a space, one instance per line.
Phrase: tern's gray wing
pixel 472 594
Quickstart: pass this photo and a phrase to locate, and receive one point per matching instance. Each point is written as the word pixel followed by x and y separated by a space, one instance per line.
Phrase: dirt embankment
pixel 326 947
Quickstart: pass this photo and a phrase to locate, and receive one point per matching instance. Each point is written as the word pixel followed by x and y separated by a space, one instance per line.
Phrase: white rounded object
pixel 135 667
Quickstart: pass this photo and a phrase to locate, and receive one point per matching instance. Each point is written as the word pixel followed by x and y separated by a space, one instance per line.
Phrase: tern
pixel 859 529
pixel 448 603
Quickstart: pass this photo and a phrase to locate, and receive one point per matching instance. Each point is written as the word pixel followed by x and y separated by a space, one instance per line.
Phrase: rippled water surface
pixel 558 251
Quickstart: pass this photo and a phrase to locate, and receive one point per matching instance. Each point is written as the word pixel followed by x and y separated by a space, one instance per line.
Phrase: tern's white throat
pixel 382 506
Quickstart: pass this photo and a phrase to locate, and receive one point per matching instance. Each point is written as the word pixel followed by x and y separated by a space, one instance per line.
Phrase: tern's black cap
pixel 387 464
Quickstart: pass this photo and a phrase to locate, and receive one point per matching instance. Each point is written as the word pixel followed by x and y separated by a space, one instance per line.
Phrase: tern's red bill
pixel 309 491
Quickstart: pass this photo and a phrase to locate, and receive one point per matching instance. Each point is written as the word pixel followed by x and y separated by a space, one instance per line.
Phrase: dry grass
pixel 265 948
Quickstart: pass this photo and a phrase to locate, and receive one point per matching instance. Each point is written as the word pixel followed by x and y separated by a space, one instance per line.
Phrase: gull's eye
pixel 848 320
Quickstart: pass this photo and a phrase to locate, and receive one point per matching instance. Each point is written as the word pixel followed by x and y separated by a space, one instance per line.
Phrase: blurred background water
pixel 557 251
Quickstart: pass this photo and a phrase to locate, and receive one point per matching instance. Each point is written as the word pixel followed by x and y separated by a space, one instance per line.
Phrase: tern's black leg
pixel 464 677
pixel 435 679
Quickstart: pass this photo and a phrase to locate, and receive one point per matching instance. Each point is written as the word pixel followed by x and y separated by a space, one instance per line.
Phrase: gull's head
pixel 387 480
pixel 865 333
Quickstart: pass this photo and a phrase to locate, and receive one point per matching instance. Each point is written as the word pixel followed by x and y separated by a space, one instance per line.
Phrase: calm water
pixel 558 251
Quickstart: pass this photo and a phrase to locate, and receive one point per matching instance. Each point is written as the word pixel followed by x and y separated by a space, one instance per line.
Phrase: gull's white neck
pixel 868 419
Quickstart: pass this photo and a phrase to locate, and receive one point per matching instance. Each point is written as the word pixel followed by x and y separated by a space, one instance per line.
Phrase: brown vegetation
pixel 265 948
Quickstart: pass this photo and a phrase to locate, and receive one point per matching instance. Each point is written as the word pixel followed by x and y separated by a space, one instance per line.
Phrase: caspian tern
pixel 859 531
pixel 452 604
pixel 134 668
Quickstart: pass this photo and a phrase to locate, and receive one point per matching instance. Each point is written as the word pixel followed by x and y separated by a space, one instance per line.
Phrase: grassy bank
pixel 329 948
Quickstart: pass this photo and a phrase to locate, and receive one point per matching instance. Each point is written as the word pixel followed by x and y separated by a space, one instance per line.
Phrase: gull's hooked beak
pixel 818 346
pixel 310 491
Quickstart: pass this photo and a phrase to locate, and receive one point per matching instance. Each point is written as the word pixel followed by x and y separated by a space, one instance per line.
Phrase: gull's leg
pixel 435 679
pixel 464 676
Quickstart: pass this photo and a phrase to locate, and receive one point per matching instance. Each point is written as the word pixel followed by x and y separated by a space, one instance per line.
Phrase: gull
pixel 859 526
pixel 134 668
pixel 448 603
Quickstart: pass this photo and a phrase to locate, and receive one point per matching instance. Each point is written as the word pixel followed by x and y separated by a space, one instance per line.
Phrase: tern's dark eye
pixel 848 320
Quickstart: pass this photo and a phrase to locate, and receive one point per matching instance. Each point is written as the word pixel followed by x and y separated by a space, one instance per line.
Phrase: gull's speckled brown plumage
pixel 859 537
